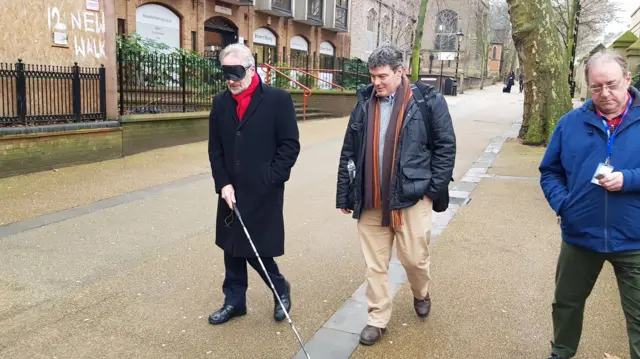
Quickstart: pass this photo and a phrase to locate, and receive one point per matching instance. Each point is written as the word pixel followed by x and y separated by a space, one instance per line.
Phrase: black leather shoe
pixel 422 306
pixel 225 314
pixel 371 335
pixel 278 313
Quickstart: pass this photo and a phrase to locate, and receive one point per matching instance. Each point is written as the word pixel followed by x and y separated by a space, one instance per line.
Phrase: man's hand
pixel 613 182
pixel 229 195
pixel 345 211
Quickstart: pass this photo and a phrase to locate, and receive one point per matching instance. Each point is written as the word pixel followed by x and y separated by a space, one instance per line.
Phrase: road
pixel 137 276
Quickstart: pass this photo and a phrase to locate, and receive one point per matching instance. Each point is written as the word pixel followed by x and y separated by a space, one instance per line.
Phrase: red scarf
pixel 244 98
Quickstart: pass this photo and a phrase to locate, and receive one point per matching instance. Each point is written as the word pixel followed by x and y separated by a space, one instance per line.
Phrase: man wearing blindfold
pixel 253 145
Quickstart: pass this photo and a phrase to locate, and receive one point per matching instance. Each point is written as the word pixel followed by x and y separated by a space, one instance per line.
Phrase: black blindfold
pixel 234 72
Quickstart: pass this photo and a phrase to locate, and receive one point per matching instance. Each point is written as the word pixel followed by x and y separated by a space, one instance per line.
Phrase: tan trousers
pixel 412 245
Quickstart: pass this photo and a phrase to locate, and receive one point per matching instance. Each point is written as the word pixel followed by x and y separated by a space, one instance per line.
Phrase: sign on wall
pixel 158 23
pixel 223 10
pixel 264 36
pixel 299 43
pixel 85 31
pixel 93 5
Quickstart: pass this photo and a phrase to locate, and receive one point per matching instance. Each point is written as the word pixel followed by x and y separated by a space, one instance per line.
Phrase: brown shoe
pixel 370 335
pixel 422 306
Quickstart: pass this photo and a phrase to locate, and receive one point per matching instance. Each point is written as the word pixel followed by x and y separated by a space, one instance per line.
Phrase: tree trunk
pixel 546 91
pixel 485 50
pixel 417 42
pixel 570 30
pixel 483 69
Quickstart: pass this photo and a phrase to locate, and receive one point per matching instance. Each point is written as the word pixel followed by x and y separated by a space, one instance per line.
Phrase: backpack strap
pixel 419 98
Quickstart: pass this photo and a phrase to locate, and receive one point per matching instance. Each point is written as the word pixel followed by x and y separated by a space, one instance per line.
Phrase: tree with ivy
pixel 546 91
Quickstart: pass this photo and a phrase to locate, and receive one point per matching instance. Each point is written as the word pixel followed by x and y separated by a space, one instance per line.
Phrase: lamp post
pixel 431 57
pixel 459 36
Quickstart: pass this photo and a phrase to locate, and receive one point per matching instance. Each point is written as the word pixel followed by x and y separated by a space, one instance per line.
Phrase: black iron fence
pixel 42 94
pixel 159 83
pixel 187 82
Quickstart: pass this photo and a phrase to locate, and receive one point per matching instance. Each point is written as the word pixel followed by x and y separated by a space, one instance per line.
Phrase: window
pixel 494 56
pixel 315 9
pixel 341 13
pixel 194 41
pixel 386 29
pixel 282 4
pixel 122 27
pixel 372 19
pixel 446 28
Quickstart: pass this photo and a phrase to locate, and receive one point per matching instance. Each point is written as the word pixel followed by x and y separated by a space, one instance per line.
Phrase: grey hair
pixel 385 55
pixel 606 56
pixel 239 50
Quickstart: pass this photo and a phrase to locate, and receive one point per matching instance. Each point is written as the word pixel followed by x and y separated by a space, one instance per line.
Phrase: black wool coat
pixel 256 156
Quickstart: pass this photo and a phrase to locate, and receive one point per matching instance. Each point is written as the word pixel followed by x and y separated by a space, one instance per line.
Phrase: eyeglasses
pixel 599 89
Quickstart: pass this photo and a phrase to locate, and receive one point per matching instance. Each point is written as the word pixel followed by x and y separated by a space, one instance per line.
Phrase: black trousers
pixel 236 279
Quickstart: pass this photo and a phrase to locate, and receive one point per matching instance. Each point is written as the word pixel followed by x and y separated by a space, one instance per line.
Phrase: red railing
pixel 306 92
pixel 313 76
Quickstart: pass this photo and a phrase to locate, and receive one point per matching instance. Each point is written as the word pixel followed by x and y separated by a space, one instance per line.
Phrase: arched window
pixel 446 28
pixel 372 19
pixel 407 36
pixel 386 29
pixel 495 53
pixel 151 16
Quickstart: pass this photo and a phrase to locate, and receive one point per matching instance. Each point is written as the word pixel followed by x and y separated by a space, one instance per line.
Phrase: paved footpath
pixel 132 272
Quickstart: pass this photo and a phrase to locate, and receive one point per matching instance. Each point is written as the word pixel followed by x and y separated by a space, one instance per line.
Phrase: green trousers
pixel 576 274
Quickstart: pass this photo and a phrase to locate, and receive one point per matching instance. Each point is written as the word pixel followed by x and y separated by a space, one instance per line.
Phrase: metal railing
pixel 306 92
pixel 43 94
pixel 159 83
pixel 348 73
pixel 308 75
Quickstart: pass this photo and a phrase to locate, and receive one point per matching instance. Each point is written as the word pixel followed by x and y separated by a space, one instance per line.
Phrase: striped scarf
pixel 377 192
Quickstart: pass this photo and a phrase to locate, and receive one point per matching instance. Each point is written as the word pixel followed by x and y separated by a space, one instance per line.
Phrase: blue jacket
pixel 591 216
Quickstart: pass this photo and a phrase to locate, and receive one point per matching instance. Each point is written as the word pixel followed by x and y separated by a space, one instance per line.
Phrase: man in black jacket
pixel 253 145
pixel 391 170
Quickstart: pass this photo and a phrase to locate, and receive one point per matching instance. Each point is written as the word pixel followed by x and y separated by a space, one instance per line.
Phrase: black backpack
pixel 419 89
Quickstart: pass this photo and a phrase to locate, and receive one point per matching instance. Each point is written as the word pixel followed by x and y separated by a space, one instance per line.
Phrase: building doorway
pixel 327 62
pixel 265 49
pixel 219 32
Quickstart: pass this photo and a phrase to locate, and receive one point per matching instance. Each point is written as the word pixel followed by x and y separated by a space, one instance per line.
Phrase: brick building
pixel 635 22
pixel 380 22
pixel 394 21
pixel 274 29
pixel 445 20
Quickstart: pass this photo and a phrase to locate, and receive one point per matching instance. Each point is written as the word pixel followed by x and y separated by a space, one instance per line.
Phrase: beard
pixel 239 88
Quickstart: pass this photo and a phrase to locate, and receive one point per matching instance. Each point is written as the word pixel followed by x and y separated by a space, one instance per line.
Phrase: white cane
pixel 273 288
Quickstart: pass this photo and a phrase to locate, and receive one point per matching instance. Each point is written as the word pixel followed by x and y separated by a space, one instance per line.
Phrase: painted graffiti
pixel 87 27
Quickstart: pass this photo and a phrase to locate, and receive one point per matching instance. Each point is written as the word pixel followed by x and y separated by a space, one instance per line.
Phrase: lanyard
pixel 612 134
